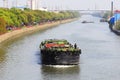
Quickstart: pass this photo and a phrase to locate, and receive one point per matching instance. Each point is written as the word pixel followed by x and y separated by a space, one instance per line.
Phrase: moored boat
pixel 87 22
pixel 59 52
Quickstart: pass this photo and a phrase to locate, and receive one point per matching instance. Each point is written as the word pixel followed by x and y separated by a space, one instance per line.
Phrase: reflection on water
pixel 2 56
pixel 61 70
pixel 58 73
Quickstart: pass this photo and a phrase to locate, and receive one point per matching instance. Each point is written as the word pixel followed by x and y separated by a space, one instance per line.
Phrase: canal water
pixel 100 58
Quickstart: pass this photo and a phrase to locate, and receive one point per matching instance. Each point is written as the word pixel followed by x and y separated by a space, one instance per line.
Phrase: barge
pixel 59 52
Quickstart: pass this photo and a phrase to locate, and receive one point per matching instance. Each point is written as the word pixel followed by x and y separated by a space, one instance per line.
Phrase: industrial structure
pixel 5 3
pixel 33 4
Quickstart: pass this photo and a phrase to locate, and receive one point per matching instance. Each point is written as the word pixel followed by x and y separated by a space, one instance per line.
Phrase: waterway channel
pixel 100 58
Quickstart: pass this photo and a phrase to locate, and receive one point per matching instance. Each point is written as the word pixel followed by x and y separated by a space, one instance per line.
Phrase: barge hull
pixel 60 58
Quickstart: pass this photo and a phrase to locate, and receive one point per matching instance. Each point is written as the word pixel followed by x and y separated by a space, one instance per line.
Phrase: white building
pixel 33 4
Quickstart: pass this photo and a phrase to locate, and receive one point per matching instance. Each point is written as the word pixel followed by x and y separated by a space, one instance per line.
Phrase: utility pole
pixel 111 9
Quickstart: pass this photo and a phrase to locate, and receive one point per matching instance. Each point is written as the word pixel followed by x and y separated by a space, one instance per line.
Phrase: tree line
pixel 18 18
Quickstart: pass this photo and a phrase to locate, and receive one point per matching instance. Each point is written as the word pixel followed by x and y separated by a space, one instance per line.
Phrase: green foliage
pixel 106 15
pixel 2 26
pixel 18 18
pixel 117 25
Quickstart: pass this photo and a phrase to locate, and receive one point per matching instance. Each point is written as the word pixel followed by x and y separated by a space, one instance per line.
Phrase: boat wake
pixel 61 66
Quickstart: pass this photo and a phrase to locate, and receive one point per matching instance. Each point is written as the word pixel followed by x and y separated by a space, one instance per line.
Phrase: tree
pixel 19 18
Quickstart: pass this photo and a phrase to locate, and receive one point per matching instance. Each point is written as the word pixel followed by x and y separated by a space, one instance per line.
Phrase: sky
pixel 70 4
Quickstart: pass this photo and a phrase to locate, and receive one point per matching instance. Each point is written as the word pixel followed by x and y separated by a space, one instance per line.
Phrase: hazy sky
pixel 70 4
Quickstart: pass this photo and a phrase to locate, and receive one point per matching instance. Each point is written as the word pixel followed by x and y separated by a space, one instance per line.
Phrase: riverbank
pixel 24 31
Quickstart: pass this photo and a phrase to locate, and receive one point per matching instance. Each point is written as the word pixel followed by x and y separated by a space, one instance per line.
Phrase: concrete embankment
pixel 24 31
pixel 117 32
pixel 113 29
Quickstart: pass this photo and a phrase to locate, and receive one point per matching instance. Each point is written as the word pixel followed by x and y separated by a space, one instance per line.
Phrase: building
pixel 5 3
pixel 43 9
pixel 33 4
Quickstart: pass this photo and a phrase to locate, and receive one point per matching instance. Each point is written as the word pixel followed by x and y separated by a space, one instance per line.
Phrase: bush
pixel 117 25
pixel 2 26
